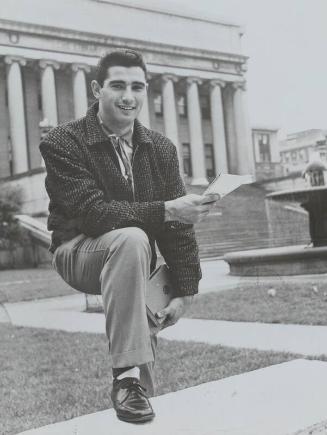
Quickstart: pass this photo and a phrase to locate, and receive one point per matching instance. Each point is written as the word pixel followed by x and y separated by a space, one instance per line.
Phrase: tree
pixel 11 234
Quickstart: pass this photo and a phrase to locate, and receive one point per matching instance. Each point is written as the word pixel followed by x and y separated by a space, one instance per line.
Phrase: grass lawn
pixel 50 376
pixel 295 302
pixel 27 284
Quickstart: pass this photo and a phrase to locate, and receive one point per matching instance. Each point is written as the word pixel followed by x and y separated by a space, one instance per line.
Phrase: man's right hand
pixel 190 209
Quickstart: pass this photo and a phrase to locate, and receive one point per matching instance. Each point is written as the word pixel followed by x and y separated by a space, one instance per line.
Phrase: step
pixel 278 400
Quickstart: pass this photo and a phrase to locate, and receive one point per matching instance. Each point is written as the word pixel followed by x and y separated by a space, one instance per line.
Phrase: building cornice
pixel 13 27
pixel 161 11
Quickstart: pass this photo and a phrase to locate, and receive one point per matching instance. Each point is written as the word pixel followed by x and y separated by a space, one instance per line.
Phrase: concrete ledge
pixel 289 260
pixel 276 400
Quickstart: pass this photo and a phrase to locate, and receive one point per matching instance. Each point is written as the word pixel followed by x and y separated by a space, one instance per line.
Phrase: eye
pixel 138 88
pixel 117 86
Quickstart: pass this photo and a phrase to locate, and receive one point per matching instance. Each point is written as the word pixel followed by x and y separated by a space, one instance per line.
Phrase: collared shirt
pixel 124 148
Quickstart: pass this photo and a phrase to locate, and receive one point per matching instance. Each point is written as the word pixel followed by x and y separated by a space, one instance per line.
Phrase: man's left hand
pixel 174 311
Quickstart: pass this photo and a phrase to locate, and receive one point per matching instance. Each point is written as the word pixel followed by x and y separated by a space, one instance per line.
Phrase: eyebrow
pixel 124 83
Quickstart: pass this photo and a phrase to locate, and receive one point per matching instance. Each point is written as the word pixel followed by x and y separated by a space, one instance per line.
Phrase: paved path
pixel 302 339
pixel 66 314
pixel 277 400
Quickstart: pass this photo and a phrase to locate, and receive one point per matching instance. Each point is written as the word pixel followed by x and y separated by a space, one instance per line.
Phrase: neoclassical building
pixel 196 95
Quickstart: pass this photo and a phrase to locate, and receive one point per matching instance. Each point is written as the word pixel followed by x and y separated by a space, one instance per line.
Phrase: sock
pixel 126 372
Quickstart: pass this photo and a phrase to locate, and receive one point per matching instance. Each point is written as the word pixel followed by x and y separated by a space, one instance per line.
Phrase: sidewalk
pixel 67 314
pixel 277 400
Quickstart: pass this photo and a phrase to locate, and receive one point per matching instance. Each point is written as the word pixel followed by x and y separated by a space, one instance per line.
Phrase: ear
pixel 96 89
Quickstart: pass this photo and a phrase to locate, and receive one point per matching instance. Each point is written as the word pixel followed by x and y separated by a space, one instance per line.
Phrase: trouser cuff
pixel 133 357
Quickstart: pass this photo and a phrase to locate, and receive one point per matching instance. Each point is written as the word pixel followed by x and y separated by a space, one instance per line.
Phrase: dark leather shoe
pixel 130 401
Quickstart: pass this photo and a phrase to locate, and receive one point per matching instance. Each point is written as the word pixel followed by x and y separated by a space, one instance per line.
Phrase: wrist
pixel 169 211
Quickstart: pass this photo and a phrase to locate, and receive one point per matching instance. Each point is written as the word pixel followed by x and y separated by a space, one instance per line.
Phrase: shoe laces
pixel 132 384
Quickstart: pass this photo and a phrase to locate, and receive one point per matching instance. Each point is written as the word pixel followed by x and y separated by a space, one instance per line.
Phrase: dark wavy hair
pixel 122 57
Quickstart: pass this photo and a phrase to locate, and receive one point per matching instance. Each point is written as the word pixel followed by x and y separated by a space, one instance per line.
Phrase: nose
pixel 128 95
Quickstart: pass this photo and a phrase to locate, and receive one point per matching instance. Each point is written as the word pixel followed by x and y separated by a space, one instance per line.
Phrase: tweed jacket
pixel 88 193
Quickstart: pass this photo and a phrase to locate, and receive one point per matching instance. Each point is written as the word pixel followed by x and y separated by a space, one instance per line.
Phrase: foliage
pixel 11 235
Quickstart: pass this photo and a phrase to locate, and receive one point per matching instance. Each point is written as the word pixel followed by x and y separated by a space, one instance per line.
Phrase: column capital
pixel 190 80
pixel 216 82
pixel 239 85
pixel 149 76
pixel 81 67
pixel 9 60
pixel 43 63
pixel 169 78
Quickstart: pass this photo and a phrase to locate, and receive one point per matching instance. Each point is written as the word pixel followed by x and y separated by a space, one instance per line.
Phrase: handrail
pixel 37 230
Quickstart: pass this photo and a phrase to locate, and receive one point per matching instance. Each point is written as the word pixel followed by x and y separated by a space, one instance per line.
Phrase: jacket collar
pixel 95 133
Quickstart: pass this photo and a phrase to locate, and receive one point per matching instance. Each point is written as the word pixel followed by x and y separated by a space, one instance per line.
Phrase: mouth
pixel 126 108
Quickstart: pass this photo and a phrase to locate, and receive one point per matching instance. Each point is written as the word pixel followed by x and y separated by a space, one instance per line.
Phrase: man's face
pixel 122 94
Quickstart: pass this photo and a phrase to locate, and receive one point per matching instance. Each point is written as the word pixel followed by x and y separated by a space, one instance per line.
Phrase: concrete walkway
pixel 277 400
pixel 66 314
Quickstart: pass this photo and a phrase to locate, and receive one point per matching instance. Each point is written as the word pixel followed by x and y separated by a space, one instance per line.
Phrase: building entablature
pixel 130 21
pixel 36 42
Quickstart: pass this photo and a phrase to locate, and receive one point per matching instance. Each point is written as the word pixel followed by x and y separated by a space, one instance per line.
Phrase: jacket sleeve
pixel 73 188
pixel 177 242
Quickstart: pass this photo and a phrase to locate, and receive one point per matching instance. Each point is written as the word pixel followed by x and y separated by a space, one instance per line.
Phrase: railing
pixel 37 230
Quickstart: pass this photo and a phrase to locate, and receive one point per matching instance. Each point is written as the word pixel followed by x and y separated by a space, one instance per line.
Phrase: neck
pixel 120 129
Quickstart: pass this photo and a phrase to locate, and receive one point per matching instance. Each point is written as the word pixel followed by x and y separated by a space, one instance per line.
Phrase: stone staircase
pixel 242 224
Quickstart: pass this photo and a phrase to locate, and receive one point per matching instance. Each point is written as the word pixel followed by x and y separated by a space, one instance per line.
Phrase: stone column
pixel 170 113
pixel 144 115
pixel 218 127
pixel 230 128
pixel 48 91
pixel 195 128
pixel 243 131
pixel 17 114
pixel 79 89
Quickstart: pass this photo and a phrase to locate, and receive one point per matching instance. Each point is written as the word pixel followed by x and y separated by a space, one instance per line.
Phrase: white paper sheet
pixel 224 184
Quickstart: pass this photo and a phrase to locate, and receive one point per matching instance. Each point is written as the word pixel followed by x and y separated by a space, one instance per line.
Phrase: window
pixel 187 164
pixel 182 106
pixel 10 156
pixel 264 148
pixel 39 101
pixel 205 106
pixel 158 109
pixel 209 161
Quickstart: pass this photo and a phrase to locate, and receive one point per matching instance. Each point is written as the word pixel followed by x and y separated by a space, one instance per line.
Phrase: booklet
pixel 159 292
pixel 224 184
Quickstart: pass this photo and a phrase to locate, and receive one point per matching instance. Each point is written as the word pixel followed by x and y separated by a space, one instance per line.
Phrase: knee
pixel 130 238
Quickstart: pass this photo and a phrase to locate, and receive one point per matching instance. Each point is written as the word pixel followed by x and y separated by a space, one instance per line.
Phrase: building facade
pixel 302 147
pixel 266 153
pixel 196 94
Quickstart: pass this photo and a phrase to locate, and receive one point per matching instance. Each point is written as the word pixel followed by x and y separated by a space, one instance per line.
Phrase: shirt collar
pixel 127 136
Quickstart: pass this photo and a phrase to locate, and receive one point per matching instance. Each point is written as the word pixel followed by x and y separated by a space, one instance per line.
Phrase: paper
pixel 224 184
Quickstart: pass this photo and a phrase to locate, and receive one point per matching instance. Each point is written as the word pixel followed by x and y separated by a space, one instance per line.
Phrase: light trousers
pixel 116 265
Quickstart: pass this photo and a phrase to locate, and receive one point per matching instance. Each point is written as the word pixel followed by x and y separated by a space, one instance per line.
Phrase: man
pixel 115 189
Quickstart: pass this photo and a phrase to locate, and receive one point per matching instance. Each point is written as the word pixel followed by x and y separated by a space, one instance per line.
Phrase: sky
pixel 286 41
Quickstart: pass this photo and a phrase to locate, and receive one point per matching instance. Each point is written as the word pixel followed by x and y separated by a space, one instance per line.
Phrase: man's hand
pixel 174 311
pixel 190 209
